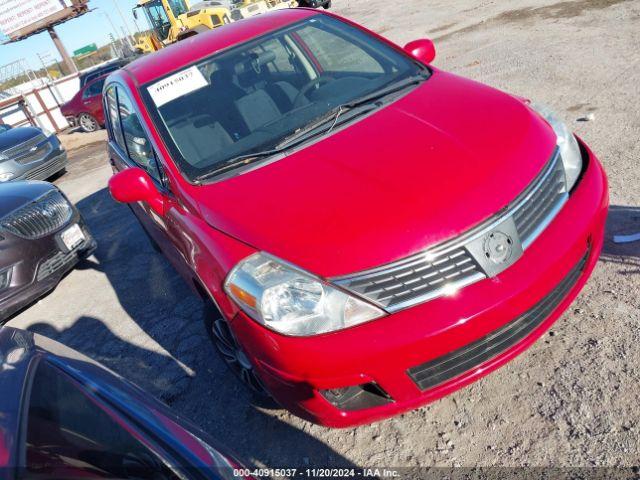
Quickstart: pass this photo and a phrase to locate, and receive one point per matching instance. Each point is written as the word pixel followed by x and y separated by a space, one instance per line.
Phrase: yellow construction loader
pixel 175 20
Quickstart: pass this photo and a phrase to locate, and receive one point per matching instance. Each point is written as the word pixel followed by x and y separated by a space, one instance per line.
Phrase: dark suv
pixel 42 236
pixel 89 75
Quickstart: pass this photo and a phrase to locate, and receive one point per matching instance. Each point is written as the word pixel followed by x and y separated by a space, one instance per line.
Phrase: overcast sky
pixel 93 27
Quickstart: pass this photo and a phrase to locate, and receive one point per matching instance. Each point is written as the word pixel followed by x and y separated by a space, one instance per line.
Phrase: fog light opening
pixel 5 278
pixel 358 397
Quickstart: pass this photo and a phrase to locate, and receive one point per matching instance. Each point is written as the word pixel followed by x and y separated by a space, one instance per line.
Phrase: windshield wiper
pixel 309 131
pixel 333 115
pixel 383 92
pixel 234 162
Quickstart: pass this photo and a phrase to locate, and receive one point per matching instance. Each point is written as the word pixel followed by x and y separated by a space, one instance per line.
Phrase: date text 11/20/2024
pixel 316 473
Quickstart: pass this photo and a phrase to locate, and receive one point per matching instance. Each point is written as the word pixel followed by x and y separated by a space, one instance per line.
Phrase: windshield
pixel 250 98
pixel 4 128
pixel 158 19
pixel 178 7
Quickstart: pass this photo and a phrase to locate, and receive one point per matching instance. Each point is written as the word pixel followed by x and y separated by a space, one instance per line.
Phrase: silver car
pixel 29 153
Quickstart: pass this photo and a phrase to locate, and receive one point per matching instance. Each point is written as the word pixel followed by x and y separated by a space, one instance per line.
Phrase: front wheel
pixel 88 123
pixel 233 355
pixel 327 5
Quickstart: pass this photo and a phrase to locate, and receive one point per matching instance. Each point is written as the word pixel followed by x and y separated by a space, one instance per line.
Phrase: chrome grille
pixel 455 264
pixel 416 277
pixel 537 208
pixel 39 218
pixel 24 147
pixel 34 155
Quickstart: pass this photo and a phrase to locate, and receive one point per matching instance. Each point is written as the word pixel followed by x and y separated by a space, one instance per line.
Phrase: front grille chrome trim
pixel 39 218
pixel 530 214
pixel 24 147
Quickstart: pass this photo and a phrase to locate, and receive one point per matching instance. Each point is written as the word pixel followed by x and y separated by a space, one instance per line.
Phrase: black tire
pixel 231 353
pixel 327 5
pixel 88 123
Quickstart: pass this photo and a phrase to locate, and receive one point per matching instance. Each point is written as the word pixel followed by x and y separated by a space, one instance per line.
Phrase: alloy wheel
pixel 234 357
pixel 87 123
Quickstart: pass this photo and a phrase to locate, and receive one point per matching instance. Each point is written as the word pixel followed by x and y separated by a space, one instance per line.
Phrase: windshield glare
pixel 249 98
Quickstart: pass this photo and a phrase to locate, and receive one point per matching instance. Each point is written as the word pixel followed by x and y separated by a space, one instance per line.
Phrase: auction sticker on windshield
pixel 177 85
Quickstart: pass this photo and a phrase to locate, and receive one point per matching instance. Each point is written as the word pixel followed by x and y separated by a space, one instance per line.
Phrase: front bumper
pixel 43 168
pixel 38 265
pixel 386 351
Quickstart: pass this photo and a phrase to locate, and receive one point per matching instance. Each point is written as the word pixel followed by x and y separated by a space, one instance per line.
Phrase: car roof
pixel 177 56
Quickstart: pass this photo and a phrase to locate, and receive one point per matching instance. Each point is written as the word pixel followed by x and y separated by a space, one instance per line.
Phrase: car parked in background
pixel 104 69
pixel 315 3
pixel 373 232
pixel 84 110
pixel 63 415
pixel 30 153
pixel 42 237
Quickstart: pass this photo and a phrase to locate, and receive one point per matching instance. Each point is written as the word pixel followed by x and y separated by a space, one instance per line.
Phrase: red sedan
pixel 84 110
pixel 371 232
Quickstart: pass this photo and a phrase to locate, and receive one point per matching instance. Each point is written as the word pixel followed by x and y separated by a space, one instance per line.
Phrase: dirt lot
pixel 571 400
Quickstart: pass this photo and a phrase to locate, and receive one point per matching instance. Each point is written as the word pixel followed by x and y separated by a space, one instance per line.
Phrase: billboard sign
pixel 20 18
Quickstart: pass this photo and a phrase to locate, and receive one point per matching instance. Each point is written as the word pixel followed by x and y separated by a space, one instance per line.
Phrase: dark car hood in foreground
pixel 16 194
pixel 16 136
pixel 424 169
pixel 179 441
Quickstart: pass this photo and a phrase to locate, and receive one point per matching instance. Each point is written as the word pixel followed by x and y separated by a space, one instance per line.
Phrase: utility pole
pixel 115 30
pixel 66 58
pixel 122 17
pixel 44 66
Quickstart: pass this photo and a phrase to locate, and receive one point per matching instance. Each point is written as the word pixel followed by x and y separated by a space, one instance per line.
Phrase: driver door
pixel 129 146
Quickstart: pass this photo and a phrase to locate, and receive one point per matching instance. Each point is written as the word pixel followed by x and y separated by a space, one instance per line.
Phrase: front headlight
pixel 292 301
pixel 567 143
pixel 5 177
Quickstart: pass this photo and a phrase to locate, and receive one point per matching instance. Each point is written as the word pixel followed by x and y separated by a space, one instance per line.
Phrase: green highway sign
pixel 86 50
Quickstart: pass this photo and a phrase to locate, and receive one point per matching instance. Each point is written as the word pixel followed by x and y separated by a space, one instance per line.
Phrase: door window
pixel 137 143
pixel 114 118
pixel 94 89
pixel 70 435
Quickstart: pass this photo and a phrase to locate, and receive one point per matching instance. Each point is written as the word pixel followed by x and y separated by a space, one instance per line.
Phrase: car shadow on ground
pixel 186 371
pixel 622 220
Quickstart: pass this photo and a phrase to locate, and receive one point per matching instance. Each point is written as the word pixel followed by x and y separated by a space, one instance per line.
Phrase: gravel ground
pixel 571 400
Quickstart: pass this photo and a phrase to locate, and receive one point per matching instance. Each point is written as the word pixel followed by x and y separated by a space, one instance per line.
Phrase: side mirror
pixel 135 13
pixel 423 50
pixel 135 185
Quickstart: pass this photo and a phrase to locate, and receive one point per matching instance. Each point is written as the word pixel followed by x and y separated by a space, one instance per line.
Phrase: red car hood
pixel 422 170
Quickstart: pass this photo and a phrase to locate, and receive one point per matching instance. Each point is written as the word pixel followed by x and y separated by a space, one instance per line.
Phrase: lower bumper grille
pixel 47 170
pixel 453 364
pixel 61 261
